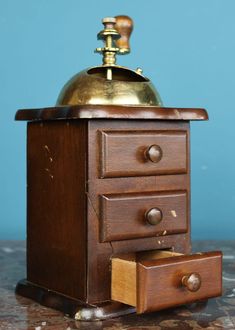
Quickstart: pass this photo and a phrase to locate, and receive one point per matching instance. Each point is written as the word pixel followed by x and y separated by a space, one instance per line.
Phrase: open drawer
pixel 155 280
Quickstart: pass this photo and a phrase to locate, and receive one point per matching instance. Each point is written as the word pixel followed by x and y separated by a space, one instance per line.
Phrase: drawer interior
pixel 155 280
pixel 124 273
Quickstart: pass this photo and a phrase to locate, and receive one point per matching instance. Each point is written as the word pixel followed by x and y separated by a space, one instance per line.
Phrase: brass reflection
pixel 110 84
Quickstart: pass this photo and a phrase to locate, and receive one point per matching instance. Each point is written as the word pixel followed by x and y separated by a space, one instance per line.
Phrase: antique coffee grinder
pixel 108 195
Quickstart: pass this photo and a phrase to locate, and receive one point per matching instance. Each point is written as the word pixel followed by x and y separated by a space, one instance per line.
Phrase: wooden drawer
pixel 138 153
pixel 127 216
pixel 154 280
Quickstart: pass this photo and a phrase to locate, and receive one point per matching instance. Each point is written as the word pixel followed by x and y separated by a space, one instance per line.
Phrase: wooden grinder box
pixel 108 208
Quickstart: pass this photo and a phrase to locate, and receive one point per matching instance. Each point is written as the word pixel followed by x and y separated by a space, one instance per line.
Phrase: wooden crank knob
pixel 124 26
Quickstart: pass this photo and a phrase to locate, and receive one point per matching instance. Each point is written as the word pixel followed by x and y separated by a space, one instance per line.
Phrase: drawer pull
pixel 154 153
pixel 192 282
pixel 153 216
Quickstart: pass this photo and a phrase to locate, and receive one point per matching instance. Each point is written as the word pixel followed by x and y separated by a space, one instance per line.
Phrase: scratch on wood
pixel 50 175
pixel 174 214
pixel 47 148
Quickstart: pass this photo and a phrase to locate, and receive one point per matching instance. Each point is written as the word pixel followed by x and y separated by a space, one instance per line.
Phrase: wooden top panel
pixel 111 112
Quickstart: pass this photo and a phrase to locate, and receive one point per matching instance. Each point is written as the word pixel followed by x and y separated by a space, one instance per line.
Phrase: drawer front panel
pixel 154 280
pixel 159 282
pixel 138 153
pixel 127 216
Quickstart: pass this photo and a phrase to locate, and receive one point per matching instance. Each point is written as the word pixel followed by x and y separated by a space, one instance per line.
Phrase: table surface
pixel 21 313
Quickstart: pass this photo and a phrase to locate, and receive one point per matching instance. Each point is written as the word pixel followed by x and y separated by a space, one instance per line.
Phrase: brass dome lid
pixel 110 84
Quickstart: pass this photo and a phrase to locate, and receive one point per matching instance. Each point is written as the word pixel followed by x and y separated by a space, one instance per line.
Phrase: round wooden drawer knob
pixel 154 153
pixel 192 282
pixel 153 216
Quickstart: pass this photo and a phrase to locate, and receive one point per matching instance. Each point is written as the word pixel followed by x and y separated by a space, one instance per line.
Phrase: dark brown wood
pixel 56 207
pixel 111 112
pixel 124 26
pixel 124 215
pixel 155 280
pixel 98 259
pixel 131 147
pixel 177 242
pixel 159 282
pixel 17 312
pixel 76 309
pixel 99 254
pixel 91 185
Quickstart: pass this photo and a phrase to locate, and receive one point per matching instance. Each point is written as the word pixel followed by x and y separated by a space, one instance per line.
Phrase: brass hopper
pixel 111 84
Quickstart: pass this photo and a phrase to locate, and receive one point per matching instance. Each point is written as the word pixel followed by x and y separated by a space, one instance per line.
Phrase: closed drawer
pixel 127 216
pixel 159 279
pixel 138 153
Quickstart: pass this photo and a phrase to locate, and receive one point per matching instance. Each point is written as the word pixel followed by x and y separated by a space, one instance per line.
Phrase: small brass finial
pixel 116 34
pixel 108 34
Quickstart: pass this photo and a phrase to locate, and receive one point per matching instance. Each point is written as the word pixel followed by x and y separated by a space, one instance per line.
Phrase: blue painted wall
pixel 186 47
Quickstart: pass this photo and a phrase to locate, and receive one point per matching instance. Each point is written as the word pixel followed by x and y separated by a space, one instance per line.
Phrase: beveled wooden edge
pixel 142 276
pixel 111 112
pixel 182 257
pixel 74 308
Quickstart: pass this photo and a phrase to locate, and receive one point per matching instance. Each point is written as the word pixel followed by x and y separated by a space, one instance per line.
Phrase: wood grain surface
pixel 124 215
pixel 64 191
pixel 124 152
pixel 99 252
pixel 56 207
pixel 19 313
pixel 155 282
pixel 159 281
pixel 111 112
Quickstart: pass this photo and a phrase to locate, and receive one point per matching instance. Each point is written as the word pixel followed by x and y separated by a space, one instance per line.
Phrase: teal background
pixel 186 47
